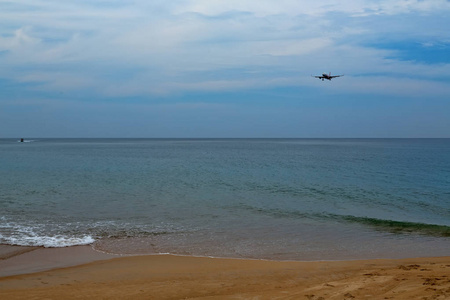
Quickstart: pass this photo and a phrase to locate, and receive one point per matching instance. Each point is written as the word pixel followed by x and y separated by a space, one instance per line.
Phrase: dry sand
pixel 177 277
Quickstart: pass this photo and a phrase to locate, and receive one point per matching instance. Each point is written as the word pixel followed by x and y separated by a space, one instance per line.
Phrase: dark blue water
pixel 255 198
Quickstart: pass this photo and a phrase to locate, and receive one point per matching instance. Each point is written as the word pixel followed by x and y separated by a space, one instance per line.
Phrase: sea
pixel 278 199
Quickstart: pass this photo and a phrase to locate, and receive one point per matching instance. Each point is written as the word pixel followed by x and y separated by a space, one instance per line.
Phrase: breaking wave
pixel 400 226
pixel 391 226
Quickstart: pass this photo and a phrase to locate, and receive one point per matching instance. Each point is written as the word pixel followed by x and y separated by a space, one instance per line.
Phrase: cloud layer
pixel 163 51
pixel 139 48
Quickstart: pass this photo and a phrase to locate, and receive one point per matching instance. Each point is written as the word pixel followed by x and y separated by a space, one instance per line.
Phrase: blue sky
pixel 211 68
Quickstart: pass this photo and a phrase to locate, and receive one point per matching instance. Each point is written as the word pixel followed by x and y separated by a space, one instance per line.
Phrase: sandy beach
pixel 179 277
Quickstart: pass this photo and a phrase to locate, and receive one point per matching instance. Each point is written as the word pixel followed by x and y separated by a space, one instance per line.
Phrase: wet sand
pixel 180 277
pixel 15 260
pixel 7 251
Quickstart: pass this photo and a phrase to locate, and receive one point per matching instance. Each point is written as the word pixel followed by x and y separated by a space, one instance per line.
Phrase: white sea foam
pixel 47 241
pixel 20 235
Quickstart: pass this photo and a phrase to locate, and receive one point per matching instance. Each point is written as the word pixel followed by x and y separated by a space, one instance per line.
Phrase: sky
pixel 224 69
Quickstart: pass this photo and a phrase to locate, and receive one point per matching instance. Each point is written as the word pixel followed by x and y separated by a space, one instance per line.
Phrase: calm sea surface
pixel 297 199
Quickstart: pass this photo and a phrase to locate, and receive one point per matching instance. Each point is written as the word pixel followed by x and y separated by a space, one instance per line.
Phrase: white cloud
pixel 19 40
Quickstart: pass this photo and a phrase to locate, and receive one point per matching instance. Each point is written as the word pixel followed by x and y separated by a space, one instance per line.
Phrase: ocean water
pixel 286 199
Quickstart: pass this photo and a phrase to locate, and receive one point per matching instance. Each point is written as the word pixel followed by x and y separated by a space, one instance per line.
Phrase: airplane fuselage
pixel 327 76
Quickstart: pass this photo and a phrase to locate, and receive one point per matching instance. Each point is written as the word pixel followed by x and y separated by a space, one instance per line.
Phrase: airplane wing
pixel 334 76
pixel 317 76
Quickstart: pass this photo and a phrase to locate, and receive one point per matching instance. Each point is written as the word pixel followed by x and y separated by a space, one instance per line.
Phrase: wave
pixel 47 241
pixel 71 234
pixel 400 226
pixel 391 226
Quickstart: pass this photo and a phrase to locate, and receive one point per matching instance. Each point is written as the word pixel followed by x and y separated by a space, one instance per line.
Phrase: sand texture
pixel 15 260
pixel 177 277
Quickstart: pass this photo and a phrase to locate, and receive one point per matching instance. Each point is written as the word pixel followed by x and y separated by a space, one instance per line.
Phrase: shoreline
pixel 165 276
pixel 49 258
pixel 22 260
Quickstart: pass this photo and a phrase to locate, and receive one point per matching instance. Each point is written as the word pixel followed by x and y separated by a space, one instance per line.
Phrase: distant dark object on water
pixel 21 140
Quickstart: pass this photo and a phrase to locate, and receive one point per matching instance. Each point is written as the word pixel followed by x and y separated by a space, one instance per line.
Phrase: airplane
pixel 327 76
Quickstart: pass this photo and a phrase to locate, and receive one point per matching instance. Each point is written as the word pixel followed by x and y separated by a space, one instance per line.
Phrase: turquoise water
pixel 254 198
